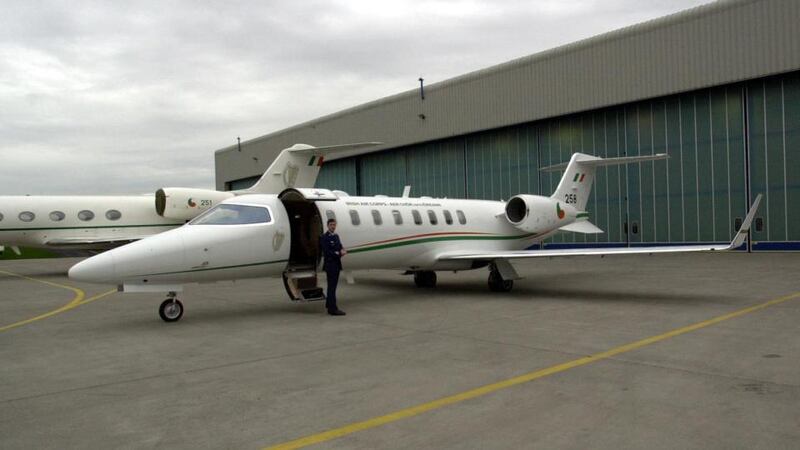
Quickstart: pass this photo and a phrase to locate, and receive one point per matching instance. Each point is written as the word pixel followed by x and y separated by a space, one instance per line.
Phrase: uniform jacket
pixel 331 246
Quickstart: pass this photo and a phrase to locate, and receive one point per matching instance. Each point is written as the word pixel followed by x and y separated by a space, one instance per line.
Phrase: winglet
pixel 741 234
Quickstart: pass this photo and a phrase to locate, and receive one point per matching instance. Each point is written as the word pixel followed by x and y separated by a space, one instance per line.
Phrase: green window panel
pixel 720 146
pixel 767 156
pixel 339 174
pixel 672 141
pixel 528 162
pixel 383 173
pixel 736 149
pixel 660 171
pixel 599 213
pixel 616 176
pixel 687 106
pixel 633 207
pixel 791 126
pixel 437 169
pixel 704 169
pixel 587 146
pixel 646 173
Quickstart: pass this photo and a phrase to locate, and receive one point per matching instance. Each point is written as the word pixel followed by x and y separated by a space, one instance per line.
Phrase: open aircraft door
pixel 305 221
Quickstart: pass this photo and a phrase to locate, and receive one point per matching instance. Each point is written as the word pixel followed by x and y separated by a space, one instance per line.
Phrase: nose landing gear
pixel 171 309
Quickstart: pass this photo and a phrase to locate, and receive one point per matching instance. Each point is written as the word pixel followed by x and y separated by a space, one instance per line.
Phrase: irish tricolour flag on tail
pixel 579 177
pixel 315 160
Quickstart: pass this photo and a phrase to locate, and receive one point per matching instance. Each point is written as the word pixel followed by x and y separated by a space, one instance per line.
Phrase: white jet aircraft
pixel 277 236
pixel 88 224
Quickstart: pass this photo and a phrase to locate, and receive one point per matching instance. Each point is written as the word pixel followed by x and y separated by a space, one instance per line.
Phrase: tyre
pixel 425 278
pixel 170 310
pixel 498 284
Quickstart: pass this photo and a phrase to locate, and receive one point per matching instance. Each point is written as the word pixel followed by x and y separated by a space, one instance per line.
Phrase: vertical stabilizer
pixel 576 184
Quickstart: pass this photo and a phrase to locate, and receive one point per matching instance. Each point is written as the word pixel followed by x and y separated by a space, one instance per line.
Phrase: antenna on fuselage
pixel 406 191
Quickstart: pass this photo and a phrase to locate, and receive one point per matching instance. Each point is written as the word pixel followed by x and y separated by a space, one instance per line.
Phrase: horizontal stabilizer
pixel 583 226
pixel 330 149
pixel 589 161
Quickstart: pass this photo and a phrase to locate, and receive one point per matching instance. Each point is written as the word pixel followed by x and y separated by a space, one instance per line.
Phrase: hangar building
pixel 717 87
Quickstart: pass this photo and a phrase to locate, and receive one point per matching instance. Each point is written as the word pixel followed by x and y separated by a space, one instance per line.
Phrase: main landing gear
pixel 496 281
pixel 171 309
pixel 425 278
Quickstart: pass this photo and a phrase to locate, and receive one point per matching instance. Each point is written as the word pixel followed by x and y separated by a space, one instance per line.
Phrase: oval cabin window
pixel 85 215
pixel 354 219
pixel 448 218
pixel 432 217
pixel 113 214
pixel 57 216
pixel 27 216
pixel 417 217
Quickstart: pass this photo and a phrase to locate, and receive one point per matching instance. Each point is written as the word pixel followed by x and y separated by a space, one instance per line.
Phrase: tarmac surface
pixel 669 366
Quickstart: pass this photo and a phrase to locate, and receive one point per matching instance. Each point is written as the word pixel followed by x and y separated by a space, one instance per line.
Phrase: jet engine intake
pixel 537 214
pixel 186 203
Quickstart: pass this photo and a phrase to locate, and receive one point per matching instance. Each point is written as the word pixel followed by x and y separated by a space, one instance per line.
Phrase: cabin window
pixel 376 217
pixel 398 218
pixel 354 217
pixel 462 219
pixel 27 216
pixel 432 217
pixel 448 218
pixel 417 217
pixel 330 214
pixel 113 214
pixel 86 215
pixel 229 214
pixel 1 217
pixel 57 216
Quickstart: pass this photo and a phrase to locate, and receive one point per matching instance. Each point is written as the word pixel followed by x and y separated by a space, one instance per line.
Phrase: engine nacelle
pixel 536 214
pixel 186 203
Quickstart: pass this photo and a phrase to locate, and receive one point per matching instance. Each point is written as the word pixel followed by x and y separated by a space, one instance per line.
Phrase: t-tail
pixel 298 166
pixel 576 184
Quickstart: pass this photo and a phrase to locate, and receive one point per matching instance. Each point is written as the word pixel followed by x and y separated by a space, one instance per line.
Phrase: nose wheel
pixel 171 309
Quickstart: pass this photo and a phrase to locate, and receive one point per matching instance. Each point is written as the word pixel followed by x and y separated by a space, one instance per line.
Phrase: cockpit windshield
pixel 229 214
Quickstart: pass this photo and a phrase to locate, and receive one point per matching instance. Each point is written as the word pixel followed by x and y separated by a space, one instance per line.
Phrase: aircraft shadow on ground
pixel 532 289
pixel 400 290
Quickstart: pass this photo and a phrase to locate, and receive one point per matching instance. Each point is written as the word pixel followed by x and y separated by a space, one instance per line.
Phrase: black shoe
pixel 337 312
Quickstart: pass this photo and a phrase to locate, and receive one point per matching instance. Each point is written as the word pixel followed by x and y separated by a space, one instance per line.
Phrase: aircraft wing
pixel 737 241
pixel 60 242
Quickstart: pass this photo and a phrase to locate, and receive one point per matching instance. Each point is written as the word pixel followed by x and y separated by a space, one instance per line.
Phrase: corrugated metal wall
pixel 712 45
pixel 695 196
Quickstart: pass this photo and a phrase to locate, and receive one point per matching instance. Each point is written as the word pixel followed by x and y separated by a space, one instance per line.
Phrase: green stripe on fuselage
pixel 441 238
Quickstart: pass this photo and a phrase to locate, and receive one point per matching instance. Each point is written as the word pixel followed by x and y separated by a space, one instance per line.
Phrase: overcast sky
pixel 126 97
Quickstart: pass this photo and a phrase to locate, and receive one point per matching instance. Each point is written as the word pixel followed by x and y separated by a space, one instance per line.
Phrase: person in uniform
pixel 332 252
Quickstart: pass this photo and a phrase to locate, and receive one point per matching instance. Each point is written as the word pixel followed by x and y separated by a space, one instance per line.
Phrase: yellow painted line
pixel 494 387
pixel 77 300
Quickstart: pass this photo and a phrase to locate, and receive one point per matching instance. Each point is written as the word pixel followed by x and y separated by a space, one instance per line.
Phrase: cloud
pixel 121 97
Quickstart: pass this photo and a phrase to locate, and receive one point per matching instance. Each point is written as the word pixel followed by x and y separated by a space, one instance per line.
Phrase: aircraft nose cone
pixel 97 269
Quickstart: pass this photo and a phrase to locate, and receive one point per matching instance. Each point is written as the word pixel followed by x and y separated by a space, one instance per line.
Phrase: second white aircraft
pixel 260 235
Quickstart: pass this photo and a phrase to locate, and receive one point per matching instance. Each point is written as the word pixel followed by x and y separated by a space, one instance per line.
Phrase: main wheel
pixel 498 284
pixel 171 310
pixel 425 278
